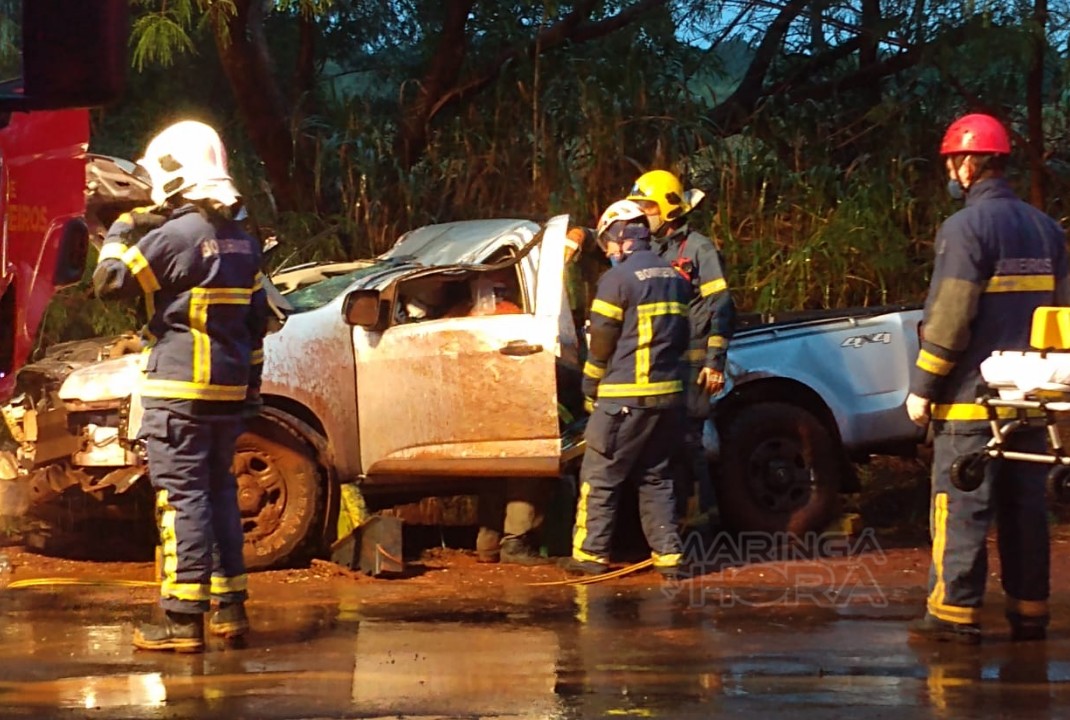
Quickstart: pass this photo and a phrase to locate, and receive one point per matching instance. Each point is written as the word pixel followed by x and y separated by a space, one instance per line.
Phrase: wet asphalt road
pixel 650 651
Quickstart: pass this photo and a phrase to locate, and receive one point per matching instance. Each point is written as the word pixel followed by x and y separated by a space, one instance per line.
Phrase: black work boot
pixel 673 572
pixel 937 630
pixel 520 552
pixel 181 632
pixel 229 621
pixel 1028 629
pixel 582 567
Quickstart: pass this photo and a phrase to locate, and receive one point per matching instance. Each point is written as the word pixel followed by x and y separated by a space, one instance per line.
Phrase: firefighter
pixel 199 274
pixel 633 381
pixel 997 260
pixel 712 315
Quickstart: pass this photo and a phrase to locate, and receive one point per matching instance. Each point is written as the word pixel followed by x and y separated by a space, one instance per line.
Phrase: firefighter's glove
pixel 149 218
pixel 710 380
pixel 588 404
pixel 574 242
pixel 131 226
pixel 253 405
pixel 918 409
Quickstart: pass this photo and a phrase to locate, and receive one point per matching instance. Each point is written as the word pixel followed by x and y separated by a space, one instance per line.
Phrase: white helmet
pixel 620 211
pixel 189 159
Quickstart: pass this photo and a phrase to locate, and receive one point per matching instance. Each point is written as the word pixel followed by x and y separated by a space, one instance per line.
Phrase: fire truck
pixel 72 57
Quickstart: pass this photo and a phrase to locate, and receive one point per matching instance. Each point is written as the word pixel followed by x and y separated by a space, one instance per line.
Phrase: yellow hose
pixel 58 581
pixel 592 579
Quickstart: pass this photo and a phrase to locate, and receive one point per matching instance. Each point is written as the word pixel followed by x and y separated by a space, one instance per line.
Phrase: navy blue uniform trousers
pixel 628 444
pixel 197 509
pixel 1014 494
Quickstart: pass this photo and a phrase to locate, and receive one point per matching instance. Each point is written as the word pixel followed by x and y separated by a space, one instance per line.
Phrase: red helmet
pixel 976 134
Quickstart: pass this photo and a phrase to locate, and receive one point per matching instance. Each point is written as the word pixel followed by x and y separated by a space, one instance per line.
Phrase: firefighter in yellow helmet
pixel 667 205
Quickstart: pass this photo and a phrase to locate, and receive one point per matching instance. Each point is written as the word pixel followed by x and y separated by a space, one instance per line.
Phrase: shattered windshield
pixel 319 294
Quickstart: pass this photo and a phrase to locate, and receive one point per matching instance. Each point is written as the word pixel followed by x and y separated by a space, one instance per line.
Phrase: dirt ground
pixel 891 547
pixel 891 562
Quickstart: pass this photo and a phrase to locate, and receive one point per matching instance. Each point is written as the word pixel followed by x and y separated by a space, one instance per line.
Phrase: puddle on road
pixel 572 652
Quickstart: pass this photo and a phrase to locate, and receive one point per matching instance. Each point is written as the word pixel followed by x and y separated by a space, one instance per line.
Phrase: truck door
pixel 470 395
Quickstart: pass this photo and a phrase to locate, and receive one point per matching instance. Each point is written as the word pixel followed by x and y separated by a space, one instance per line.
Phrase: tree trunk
pixel 444 68
pixel 265 115
pixel 305 73
pixel 817 28
pixel 868 52
pixel 1034 100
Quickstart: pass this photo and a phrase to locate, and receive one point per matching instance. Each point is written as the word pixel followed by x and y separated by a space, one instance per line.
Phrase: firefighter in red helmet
pixel 997 260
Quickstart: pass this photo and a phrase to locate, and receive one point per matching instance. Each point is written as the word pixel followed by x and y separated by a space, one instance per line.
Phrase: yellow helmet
pixel 665 189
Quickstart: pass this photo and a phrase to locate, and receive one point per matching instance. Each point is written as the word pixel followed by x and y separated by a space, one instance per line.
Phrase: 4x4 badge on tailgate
pixel 857 341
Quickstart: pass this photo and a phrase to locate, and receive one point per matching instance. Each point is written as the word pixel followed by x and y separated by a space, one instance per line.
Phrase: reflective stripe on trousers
pixel 624 444
pixel 197 508
pixel 1014 494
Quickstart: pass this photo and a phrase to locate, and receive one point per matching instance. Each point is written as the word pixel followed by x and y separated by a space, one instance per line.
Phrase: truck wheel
pixel 280 493
pixel 780 471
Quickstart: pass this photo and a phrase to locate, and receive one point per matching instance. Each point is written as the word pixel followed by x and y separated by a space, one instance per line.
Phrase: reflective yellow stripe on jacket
pixel 1020 283
pixel 200 300
pixel 647 313
pixel 186 390
pixel 973 411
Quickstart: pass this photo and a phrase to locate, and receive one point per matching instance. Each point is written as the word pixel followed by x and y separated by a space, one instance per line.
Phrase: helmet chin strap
pixel 980 163
pixel 958 175
pixel 631 246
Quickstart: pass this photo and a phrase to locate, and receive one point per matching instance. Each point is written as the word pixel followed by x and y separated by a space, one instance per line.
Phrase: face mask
pixel 955 190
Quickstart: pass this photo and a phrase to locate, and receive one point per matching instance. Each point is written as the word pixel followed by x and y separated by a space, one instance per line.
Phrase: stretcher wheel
pixel 968 471
pixel 1059 477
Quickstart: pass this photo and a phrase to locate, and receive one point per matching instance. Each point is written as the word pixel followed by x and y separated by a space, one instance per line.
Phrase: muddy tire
pixel 280 493
pixel 780 471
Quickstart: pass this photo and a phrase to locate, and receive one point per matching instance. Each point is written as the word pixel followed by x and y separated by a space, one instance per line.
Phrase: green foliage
pixel 158 36
pixel 822 202
pixel 76 313
pixel 10 39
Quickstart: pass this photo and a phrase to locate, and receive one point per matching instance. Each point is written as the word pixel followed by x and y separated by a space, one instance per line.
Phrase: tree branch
pixel 439 88
pixel 569 29
pixel 745 97
pixel 731 115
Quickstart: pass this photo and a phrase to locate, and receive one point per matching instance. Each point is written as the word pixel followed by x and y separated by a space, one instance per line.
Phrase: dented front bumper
pixel 82 435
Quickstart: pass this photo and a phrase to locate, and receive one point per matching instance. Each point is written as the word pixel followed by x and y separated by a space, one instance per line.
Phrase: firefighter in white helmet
pixel 634 383
pixel 712 313
pixel 199 273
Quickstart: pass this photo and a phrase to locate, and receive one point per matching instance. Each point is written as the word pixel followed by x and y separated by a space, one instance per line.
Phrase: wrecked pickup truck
pixel 400 372
pixel 436 368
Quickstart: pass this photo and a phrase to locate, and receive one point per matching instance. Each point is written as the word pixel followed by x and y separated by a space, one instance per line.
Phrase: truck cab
pixel 48 80
pixel 45 238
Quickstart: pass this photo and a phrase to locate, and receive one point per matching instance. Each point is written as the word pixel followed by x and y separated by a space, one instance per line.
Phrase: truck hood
pixel 108 381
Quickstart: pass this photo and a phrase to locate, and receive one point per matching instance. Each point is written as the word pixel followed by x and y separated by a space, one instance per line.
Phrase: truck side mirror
pixel 366 309
pixel 73 252
pixel 74 54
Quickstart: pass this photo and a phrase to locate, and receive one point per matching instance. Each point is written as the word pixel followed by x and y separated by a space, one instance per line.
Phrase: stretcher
pixel 1026 389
